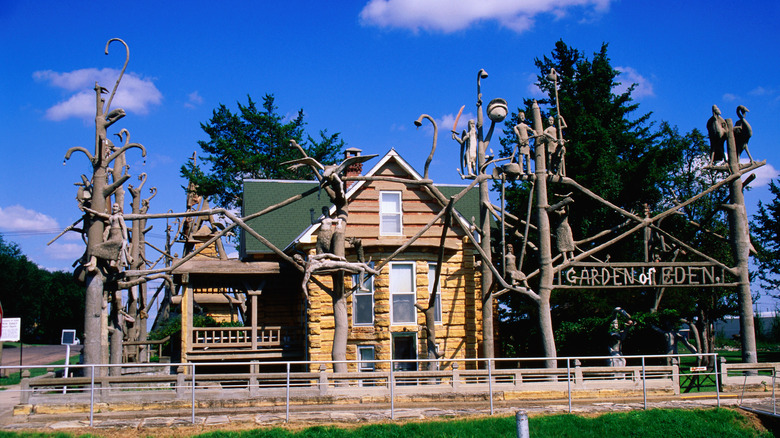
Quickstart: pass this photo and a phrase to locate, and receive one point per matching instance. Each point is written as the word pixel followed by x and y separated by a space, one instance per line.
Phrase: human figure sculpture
pixel 618 331
pixel 742 132
pixel 564 239
pixel 114 248
pixel 468 149
pixel 328 227
pixel 716 128
pixel 515 275
pixel 523 147
pixel 555 146
pixel 672 336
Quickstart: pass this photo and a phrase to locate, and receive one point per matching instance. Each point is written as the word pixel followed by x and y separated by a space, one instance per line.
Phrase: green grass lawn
pixel 646 424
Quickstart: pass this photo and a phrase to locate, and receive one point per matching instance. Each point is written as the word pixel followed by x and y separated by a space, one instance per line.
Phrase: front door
pixel 405 348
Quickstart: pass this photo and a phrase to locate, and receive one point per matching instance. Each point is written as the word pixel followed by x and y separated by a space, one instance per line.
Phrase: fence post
pixel 717 375
pixel 254 387
pixel 193 393
pixel 287 402
pixel 455 376
pixel 392 392
pixel 490 383
pixel 180 376
pixel 521 420
pixel 323 379
pixel 644 383
pixel 91 395
pixel 568 381
pixel 579 380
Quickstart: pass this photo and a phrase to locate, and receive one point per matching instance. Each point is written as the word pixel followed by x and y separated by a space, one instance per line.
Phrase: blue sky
pixel 366 69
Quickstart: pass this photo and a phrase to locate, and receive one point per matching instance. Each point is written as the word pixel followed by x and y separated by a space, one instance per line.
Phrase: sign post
pixel 11 332
pixel 68 338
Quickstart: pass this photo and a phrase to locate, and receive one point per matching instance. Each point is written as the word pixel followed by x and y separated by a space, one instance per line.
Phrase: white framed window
pixel 390 214
pixel 403 293
pixel 431 279
pixel 363 300
pixel 366 357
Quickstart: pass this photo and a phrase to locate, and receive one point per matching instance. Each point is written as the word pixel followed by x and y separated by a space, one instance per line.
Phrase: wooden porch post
pixel 254 295
pixel 186 317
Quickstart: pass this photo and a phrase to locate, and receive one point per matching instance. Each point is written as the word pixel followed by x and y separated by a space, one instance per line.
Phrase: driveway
pixel 36 354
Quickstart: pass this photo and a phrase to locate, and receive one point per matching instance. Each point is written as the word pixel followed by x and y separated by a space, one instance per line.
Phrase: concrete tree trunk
pixel 546 270
pixel 740 244
pixel 338 294
pixel 488 346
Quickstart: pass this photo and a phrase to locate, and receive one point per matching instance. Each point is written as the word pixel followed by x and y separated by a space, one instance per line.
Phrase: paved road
pixel 26 355
pixel 36 354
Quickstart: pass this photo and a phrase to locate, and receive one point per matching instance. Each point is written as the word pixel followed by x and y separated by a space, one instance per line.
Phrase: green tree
pixel 252 143
pixel 613 150
pixel 47 302
pixel 703 225
pixel 766 227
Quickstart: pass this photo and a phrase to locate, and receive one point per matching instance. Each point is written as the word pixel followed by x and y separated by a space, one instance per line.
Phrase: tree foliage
pixel 617 152
pixel 47 302
pixel 251 144
pixel 766 227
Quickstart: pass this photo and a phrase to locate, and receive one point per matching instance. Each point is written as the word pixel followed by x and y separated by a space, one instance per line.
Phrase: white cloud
pixel 18 218
pixel 533 88
pixel 728 97
pixel 445 124
pixel 629 76
pixel 764 174
pixel 453 15
pixel 761 91
pixel 135 94
pixel 65 251
pixel 194 99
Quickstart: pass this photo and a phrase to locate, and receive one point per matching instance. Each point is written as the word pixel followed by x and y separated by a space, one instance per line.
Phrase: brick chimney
pixel 353 169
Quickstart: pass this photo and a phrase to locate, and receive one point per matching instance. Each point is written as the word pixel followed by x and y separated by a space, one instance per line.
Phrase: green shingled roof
pixel 281 227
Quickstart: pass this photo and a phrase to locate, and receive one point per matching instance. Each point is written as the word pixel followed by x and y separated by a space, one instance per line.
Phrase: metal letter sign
pixel 584 275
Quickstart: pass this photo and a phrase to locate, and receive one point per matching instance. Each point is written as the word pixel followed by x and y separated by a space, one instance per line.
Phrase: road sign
pixel 12 329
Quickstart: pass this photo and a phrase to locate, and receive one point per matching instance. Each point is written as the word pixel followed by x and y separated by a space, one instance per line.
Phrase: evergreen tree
pixel 766 227
pixel 251 144
pixel 614 151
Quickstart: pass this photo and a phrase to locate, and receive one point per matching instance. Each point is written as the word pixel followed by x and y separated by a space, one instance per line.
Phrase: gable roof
pixel 292 223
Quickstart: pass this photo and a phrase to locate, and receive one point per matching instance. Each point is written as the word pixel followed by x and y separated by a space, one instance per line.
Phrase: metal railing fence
pixel 391 380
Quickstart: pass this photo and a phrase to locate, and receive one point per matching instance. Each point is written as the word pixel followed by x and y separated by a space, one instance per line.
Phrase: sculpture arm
pixel 121 150
pixel 78 149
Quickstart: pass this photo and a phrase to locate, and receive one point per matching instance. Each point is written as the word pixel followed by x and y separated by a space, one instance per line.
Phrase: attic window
pixel 390 213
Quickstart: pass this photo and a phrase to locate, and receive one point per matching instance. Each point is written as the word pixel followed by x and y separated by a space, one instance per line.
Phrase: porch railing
pixel 241 337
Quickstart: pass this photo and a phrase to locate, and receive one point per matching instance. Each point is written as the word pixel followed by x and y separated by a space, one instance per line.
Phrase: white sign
pixel 12 329
pixel 69 337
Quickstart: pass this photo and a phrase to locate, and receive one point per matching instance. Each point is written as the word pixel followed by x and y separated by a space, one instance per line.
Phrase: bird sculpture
pixel 742 132
pixel 329 173
pixel 716 128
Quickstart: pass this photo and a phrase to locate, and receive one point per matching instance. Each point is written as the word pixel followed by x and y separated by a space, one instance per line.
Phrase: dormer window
pixel 390 214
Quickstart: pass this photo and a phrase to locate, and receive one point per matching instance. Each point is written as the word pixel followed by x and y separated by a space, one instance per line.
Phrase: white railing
pixel 483 378
pixel 204 338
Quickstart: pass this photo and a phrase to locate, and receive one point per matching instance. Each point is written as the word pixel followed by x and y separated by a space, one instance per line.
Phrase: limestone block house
pixel 278 322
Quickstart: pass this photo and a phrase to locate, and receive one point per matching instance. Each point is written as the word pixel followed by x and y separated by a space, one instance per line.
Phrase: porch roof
pixel 231 267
